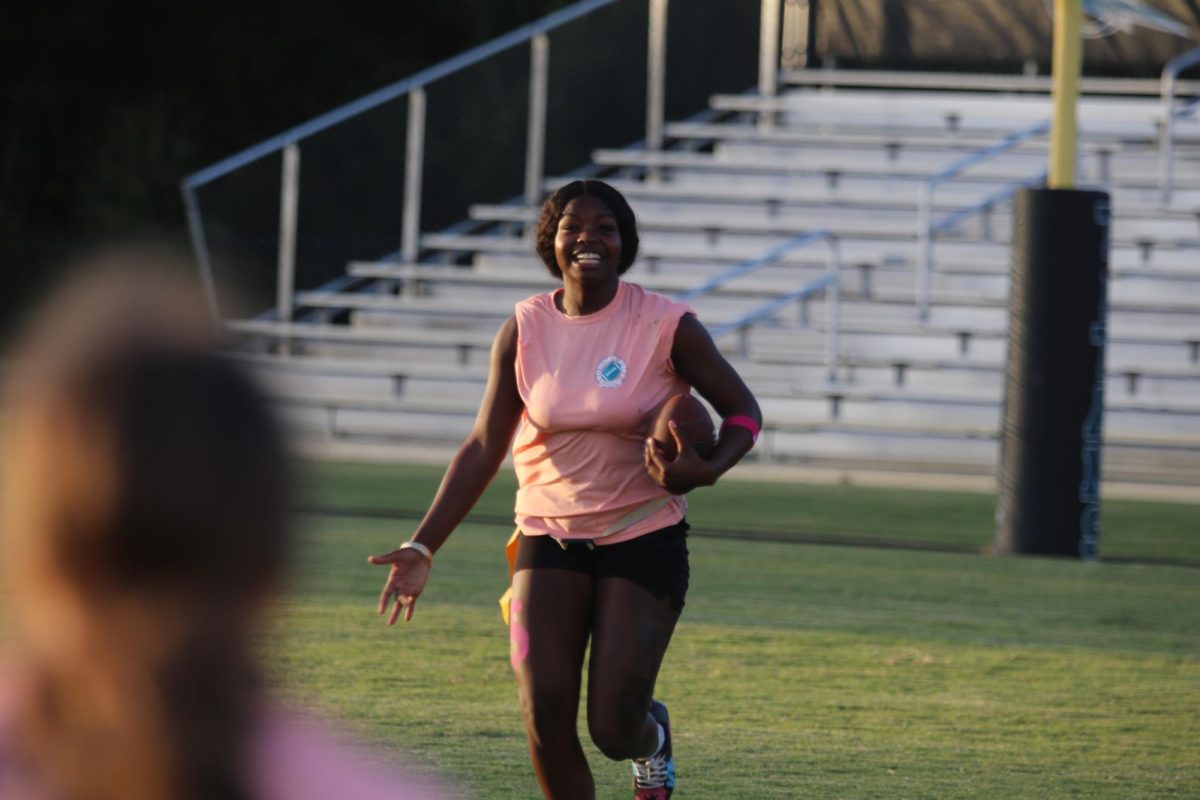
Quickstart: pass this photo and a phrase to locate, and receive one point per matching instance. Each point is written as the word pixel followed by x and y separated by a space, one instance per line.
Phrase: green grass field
pixel 873 651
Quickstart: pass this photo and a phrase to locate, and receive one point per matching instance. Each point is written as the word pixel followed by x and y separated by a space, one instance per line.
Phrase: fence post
pixel 289 204
pixel 768 58
pixel 535 149
pixel 414 165
pixel 656 80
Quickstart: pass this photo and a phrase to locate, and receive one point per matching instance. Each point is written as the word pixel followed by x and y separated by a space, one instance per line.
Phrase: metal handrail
pixel 394 90
pixel 766 259
pixel 957 217
pixel 925 225
pixel 1166 135
pixel 829 282
pixel 533 34
pixel 413 86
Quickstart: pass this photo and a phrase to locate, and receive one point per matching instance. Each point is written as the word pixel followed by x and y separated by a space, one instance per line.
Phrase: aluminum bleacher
pixel 395 357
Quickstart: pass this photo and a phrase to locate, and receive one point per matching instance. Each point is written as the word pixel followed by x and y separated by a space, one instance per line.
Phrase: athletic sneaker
pixel 654 776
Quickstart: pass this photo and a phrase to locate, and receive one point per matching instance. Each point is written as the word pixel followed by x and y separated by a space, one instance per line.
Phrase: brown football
pixel 692 419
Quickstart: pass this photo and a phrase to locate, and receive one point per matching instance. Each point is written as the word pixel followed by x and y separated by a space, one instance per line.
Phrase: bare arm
pixel 700 363
pixel 480 457
pixel 469 473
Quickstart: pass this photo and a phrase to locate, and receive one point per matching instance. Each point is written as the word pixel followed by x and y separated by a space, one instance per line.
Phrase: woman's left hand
pixel 685 473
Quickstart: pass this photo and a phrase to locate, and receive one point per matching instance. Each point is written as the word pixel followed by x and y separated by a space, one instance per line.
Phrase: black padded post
pixel 1049 464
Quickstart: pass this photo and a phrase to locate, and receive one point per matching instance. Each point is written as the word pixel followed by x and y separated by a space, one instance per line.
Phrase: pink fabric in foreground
pixel 292 757
pixel 299 759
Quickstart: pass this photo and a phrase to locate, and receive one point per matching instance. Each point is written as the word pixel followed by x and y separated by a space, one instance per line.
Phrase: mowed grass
pixel 908 665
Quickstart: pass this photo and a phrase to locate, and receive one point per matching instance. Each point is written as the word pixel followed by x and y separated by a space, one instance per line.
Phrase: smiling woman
pixel 587 242
pixel 561 220
pixel 600 553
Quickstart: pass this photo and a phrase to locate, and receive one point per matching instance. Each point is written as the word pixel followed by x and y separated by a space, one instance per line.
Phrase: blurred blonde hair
pixel 145 483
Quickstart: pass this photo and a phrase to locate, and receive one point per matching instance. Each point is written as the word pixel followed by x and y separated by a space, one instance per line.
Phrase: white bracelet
pixel 420 548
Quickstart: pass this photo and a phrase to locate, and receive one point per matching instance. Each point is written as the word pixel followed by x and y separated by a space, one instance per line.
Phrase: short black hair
pixel 552 211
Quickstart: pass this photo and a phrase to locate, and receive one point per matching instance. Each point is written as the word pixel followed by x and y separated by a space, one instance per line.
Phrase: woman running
pixel 576 376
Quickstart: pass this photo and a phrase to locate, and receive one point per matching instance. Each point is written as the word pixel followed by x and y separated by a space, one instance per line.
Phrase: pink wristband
pixel 742 421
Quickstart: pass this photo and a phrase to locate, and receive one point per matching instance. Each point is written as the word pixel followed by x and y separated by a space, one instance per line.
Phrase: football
pixel 692 420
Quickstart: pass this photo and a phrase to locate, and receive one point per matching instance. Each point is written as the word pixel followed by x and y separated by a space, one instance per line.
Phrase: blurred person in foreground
pixel 145 483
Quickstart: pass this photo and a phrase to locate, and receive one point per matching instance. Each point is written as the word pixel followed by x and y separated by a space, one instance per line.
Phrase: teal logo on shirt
pixel 610 372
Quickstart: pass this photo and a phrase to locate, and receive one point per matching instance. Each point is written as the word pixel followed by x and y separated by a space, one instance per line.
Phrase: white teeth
pixel 587 257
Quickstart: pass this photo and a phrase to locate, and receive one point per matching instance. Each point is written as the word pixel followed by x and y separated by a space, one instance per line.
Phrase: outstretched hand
pixel 679 476
pixel 405 581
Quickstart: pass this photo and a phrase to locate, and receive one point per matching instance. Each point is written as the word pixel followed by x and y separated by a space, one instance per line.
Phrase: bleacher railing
pixel 482 127
pixel 829 283
pixel 928 229
pixel 1166 140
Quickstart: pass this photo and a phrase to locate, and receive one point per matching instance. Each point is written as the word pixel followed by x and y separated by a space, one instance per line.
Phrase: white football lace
pixel 650 773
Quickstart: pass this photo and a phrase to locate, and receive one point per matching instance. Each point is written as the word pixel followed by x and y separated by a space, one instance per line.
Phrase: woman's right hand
pixel 406 580
pixel 469 473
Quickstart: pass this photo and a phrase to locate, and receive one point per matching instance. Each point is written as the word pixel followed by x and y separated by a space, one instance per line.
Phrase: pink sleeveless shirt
pixel 590 386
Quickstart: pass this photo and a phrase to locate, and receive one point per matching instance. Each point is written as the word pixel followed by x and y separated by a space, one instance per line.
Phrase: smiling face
pixel 587 244
pixel 555 206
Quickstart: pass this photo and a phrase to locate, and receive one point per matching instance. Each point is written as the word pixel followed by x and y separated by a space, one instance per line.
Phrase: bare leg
pixel 630 634
pixel 551 620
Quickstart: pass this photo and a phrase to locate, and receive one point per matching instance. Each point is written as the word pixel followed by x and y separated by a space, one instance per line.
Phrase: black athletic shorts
pixel 656 561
